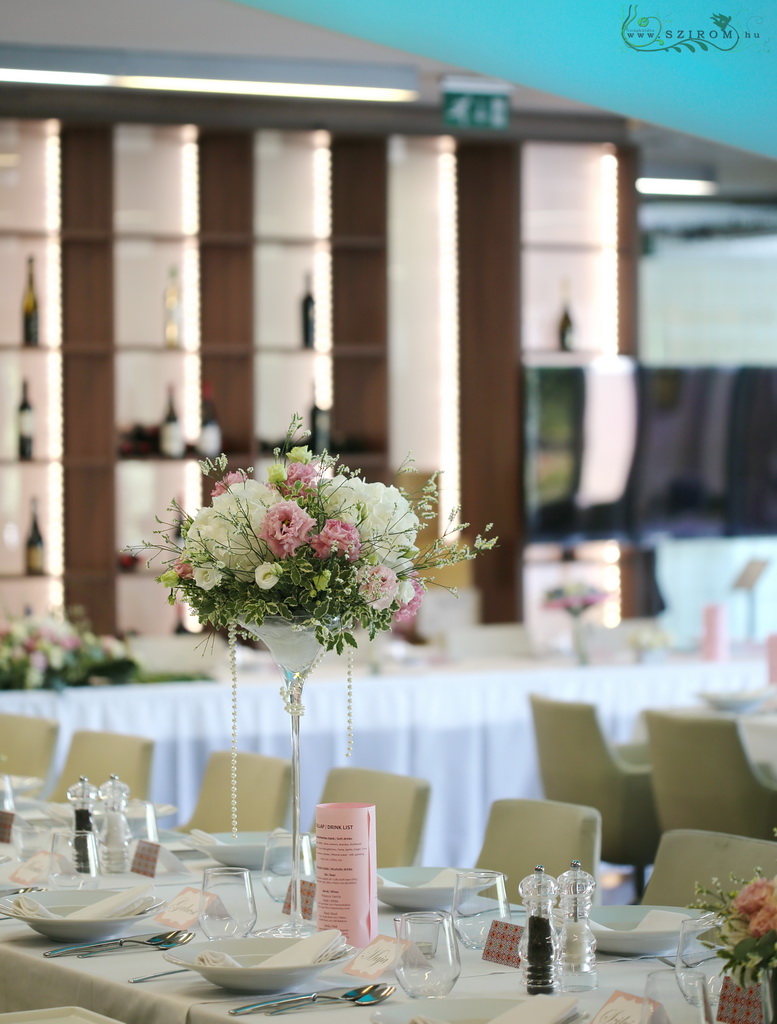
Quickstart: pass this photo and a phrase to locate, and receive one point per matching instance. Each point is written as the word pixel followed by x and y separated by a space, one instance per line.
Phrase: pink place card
pixel 377 958
pixel 714 643
pixel 6 824
pixel 346 871
pixel 771 656
pixel 740 1005
pixel 502 943
pixel 33 870
pixel 145 859
pixel 183 910
pixel 307 896
pixel 620 1008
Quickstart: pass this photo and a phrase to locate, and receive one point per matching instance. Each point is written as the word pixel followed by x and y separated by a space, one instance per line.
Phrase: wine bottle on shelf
pixel 308 314
pixel 172 310
pixel 171 442
pixel 566 327
pixel 209 441
pixel 25 424
pixel 35 550
pixel 30 307
pixel 320 438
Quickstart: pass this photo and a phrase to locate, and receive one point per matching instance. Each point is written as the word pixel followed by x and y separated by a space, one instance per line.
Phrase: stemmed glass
pixel 697 948
pixel 227 905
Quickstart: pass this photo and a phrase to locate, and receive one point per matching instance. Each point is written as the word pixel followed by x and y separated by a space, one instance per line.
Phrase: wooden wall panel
pixel 489 377
pixel 360 301
pixel 226 307
pixel 226 182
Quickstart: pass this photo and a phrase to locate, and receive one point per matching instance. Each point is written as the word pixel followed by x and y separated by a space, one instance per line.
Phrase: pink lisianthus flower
pixel 183 569
pixel 758 903
pixel 238 476
pixel 285 527
pixel 408 611
pixel 378 585
pixel 303 472
pixel 338 538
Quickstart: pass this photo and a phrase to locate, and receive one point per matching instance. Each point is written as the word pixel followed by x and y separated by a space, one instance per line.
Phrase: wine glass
pixel 697 948
pixel 74 863
pixel 676 997
pixel 479 899
pixel 429 966
pixel 227 905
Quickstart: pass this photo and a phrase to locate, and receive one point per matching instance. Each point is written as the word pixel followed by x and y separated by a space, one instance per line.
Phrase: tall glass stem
pixel 294 685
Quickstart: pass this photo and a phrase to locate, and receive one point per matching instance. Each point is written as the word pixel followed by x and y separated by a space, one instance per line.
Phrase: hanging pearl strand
pixel 232 639
pixel 349 728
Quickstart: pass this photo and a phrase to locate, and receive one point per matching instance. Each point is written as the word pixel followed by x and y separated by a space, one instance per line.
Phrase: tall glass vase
pixel 769 996
pixel 294 649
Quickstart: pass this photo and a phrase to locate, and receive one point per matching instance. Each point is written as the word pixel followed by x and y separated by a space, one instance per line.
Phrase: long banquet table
pixel 465 727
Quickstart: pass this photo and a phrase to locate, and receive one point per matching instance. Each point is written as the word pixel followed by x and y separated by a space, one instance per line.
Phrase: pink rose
pixel 303 472
pixel 378 585
pixel 338 538
pixel 754 896
pixel 285 527
pixel 183 569
pixel 407 612
pixel 238 476
pixel 763 921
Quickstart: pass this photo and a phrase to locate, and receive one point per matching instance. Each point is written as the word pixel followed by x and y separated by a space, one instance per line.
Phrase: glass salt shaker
pixel 116 834
pixel 538 946
pixel 577 945
pixel 83 796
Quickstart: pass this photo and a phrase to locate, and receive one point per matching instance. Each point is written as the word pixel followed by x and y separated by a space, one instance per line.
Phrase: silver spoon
pixel 377 995
pixel 84 947
pixel 311 998
pixel 159 942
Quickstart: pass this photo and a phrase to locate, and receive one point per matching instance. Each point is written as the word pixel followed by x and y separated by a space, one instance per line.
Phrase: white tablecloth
pixel 465 728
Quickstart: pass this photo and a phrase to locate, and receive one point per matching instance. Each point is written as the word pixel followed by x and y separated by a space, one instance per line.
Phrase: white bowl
pixel 614 930
pixel 250 953
pixel 738 702
pixel 83 929
pixel 247 851
pixel 409 892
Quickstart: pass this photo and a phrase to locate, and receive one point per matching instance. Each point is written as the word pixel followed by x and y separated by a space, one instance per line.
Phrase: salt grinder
pixel 577 944
pixel 538 945
pixel 116 835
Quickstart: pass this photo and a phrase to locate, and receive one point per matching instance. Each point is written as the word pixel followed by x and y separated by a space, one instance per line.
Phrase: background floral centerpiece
pixel 575 599
pixel 52 653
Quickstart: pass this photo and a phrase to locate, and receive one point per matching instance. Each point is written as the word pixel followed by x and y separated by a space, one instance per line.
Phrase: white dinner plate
pixel 409 892
pixel 250 953
pixel 618 935
pixel 247 851
pixel 63 902
pixel 739 702
pixel 24 783
pixel 451 1011
pixel 57 1015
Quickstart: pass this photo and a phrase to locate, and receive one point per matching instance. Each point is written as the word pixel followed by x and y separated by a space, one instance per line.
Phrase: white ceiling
pixel 221 27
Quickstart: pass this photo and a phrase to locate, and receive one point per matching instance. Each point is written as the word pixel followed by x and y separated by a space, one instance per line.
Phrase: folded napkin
pixel 212 958
pixel 445 879
pixel 653 921
pixel 120 904
pixel 534 1010
pixel 315 949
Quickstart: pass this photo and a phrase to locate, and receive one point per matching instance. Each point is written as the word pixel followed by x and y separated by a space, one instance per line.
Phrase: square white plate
pixel 57 1015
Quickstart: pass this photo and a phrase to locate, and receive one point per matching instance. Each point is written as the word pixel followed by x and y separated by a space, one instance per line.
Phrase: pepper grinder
pixel 83 796
pixel 538 946
pixel 577 944
pixel 116 834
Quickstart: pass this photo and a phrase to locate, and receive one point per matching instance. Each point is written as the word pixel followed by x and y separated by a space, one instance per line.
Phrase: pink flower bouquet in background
pixel 574 598
pixel 748 934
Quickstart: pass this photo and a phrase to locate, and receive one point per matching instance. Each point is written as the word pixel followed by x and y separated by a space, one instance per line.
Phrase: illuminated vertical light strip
pixel 190 292
pixel 55 484
pixel 450 479
pixel 323 385
pixel 608 312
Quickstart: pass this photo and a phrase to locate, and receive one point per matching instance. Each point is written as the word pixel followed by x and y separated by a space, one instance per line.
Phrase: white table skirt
pixel 465 728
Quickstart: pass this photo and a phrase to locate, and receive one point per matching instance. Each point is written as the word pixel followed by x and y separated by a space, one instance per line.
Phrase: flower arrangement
pixel 649 638
pixel 574 598
pixel 748 933
pixel 50 653
pixel 313 542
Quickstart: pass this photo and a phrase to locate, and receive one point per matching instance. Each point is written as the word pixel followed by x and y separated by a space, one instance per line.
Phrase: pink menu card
pixel 346 871
pixel 714 644
pixel 771 656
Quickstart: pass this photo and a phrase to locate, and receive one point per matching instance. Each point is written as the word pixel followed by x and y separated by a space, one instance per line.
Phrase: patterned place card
pixel 502 943
pixel 740 1005
pixel 620 1008
pixel 6 824
pixel 145 860
pixel 307 896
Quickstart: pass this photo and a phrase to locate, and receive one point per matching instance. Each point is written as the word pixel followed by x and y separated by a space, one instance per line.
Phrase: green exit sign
pixel 489 111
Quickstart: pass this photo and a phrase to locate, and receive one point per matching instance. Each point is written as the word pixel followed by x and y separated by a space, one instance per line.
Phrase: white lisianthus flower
pixel 343 498
pixel 226 531
pixel 267 575
pixel 405 592
pixel 207 577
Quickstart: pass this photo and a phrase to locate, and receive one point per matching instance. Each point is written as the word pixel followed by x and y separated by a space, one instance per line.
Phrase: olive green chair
pixel 704 779
pixel 520 834
pixel 578 765
pixel 401 803
pixel 687 857
pixel 98 755
pixel 263 793
pixel 27 744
